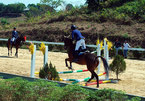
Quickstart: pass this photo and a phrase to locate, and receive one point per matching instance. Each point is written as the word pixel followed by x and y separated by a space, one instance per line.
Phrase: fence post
pixel 33 62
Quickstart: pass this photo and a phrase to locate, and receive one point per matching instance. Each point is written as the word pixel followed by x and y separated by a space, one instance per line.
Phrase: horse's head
pixel 22 39
pixel 67 42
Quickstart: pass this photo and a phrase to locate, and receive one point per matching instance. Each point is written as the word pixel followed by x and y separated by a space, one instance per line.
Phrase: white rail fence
pixel 60 43
pixel 106 52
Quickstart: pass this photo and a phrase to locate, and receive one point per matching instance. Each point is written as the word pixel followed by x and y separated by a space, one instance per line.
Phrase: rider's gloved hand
pixel 73 41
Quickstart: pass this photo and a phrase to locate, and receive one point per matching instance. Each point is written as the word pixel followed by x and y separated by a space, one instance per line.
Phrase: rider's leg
pixel 12 40
pixel 78 44
pixel 83 44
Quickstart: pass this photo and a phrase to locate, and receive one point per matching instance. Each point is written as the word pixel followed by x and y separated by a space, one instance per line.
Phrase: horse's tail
pixel 106 66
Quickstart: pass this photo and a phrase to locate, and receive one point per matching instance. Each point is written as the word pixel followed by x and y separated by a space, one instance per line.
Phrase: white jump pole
pixel 105 49
pixel 98 54
pixel 106 56
pixel 33 62
pixel 46 55
pixel 107 53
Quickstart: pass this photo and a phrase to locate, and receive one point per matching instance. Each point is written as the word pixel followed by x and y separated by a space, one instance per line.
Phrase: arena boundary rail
pixel 61 43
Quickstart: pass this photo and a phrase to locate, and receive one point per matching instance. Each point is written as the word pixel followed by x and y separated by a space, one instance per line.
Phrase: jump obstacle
pixel 32 49
pixel 106 55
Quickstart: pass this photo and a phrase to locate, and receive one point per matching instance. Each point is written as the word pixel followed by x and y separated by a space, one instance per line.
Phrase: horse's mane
pixel 69 43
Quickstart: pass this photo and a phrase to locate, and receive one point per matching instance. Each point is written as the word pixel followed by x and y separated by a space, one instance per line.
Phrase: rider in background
pixel 80 41
pixel 14 35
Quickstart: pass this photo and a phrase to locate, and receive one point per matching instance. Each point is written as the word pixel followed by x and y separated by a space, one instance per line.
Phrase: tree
pixel 39 9
pixel 68 7
pixel 44 8
pixel 118 65
pixel 2 8
pixel 93 4
pixel 52 3
pixel 31 5
pixel 15 8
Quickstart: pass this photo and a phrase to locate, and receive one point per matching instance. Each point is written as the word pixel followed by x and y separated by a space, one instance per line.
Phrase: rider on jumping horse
pixel 80 42
pixel 14 35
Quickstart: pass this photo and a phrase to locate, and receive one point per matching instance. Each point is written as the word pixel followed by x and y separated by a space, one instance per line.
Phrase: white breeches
pixel 80 43
pixel 13 39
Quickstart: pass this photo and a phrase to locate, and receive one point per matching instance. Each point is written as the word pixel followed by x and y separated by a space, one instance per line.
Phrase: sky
pixel 26 2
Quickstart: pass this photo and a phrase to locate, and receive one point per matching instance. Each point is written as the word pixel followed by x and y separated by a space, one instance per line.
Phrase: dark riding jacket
pixel 15 34
pixel 76 34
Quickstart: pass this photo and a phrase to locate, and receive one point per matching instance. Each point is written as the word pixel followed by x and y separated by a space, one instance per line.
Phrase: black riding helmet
pixel 73 27
pixel 14 28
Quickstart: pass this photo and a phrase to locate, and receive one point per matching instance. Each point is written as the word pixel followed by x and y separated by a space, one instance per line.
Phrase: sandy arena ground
pixel 132 80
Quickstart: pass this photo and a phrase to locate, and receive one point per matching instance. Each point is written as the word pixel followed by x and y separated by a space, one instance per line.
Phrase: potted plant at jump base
pixel 118 65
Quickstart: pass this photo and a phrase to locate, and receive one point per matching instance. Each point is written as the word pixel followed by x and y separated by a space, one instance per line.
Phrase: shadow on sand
pixel 7 56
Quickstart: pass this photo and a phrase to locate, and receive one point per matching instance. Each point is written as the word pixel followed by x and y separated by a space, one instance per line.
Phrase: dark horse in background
pixel 18 43
pixel 85 59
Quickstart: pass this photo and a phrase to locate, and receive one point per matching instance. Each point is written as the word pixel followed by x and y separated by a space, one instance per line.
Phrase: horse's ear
pixel 64 37
pixel 21 35
pixel 67 36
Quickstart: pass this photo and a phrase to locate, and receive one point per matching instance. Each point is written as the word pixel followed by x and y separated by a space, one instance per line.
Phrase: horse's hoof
pixel 69 68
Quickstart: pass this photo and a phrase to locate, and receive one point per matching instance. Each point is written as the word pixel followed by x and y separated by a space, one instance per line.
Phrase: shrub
pixel 118 65
pixel 4 21
pixel 18 89
pixel 49 72
pixel 107 95
pixel 112 52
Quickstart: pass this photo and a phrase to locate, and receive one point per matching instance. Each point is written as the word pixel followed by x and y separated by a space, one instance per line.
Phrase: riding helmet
pixel 73 27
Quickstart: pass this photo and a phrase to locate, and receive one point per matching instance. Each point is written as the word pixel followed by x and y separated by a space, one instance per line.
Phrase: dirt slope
pixel 54 31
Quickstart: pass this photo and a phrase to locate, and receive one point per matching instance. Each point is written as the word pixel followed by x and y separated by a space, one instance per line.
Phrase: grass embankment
pixel 17 89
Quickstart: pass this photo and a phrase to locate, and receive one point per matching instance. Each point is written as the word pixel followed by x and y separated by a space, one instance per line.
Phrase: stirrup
pixel 75 60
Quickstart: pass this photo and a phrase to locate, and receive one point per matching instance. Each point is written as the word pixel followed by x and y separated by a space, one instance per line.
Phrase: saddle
pixel 82 52
pixel 76 54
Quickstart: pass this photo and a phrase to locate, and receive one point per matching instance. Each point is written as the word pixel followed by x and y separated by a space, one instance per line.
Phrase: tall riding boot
pixel 75 56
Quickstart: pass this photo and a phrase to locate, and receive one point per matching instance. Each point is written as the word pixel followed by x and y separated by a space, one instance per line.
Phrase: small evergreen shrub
pixel 49 72
pixel 112 52
pixel 4 21
pixel 118 65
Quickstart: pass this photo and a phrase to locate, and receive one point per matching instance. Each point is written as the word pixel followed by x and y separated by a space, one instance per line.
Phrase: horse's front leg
pixel 8 51
pixel 11 50
pixel 16 54
pixel 69 67
pixel 66 62
pixel 70 64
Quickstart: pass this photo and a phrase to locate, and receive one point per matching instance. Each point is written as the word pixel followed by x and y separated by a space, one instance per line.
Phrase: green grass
pixel 18 89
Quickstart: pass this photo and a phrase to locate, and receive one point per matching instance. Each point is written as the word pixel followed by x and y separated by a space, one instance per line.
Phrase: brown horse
pixel 85 59
pixel 18 42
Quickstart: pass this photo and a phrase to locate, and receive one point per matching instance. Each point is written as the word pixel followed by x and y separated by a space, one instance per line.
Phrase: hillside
pixel 93 25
